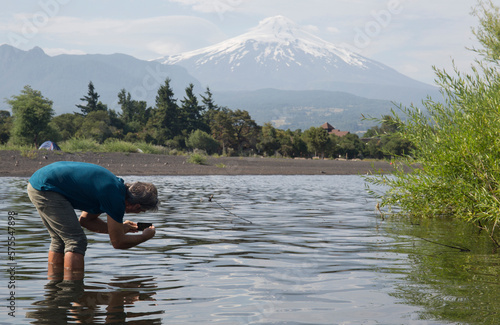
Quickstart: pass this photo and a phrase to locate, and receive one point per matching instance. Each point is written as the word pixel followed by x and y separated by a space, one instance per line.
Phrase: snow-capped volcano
pixel 282 39
pixel 280 54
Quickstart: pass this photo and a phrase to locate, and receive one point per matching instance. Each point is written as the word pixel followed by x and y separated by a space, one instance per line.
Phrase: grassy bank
pixel 112 145
pixel 88 145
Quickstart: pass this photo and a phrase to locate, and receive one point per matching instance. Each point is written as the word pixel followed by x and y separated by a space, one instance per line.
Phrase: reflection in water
pixel 315 253
pixel 454 273
pixel 73 302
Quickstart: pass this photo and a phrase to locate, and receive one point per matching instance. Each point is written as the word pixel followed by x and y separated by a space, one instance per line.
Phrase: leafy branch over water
pixel 456 141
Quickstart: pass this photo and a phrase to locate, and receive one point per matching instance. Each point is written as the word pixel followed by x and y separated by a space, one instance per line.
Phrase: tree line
pixel 184 124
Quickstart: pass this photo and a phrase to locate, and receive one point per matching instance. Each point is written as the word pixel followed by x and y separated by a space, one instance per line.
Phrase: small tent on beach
pixel 49 145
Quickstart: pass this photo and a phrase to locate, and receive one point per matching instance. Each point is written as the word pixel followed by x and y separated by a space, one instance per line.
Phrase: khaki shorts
pixel 59 217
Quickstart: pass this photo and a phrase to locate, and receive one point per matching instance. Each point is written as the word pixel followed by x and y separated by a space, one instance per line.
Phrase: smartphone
pixel 143 225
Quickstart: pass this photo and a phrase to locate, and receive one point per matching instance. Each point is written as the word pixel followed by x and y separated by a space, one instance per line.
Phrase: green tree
pixel 394 145
pixel 66 125
pixel 268 140
pixel 456 143
pixel 32 113
pixel 222 128
pixel 299 145
pixel 385 140
pixel 5 126
pixel 317 140
pixel 97 125
pixel 235 130
pixel 246 130
pixel 92 101
pixel 374 148
pixel 202 140
pixel 116 123
pixel 134 115
pixel 209 108
pixel 488 33
pixel 285 141
pixel 333 149
pixel 208 101
pixel 350 146
pixel 127 106
pixel 388 126
pixel 191 112
pixel 165 121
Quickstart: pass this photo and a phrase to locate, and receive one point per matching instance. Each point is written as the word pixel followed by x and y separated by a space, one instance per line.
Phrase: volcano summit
pixel 280 54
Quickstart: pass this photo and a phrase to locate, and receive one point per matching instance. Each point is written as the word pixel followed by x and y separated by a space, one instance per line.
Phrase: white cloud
pixel 145 38
pixel 333 30
pixel 311 29
pixel 421 34
pixel 164 48
pixel 212 6
pixel 58 51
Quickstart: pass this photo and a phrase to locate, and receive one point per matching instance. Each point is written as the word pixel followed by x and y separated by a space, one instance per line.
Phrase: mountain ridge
pixel 301 109
pixel 280 54
pixel 281 30
pixel 260 71
pixel 64 78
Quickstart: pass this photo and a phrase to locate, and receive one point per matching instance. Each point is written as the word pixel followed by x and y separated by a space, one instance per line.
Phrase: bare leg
pixel 73 266
pixel 56 266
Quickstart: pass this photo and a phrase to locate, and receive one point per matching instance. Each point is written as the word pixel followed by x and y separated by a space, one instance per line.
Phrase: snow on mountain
pixel 279 34
pixel 280 54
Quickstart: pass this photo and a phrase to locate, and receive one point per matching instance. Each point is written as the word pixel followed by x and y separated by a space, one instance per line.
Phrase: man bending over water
pixel 59 188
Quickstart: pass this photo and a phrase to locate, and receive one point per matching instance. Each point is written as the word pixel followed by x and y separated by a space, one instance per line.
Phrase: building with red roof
pixel 331 130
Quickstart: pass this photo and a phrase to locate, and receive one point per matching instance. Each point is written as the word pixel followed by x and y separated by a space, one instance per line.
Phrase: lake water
pixel 315 252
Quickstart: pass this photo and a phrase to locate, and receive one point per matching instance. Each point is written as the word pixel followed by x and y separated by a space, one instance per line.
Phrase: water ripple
pixel 310 256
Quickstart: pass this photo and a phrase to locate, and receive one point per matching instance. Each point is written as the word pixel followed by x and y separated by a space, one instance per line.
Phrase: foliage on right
pixel 455 162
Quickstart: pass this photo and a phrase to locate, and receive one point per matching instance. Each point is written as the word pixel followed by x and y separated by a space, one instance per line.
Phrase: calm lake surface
pixel 315 252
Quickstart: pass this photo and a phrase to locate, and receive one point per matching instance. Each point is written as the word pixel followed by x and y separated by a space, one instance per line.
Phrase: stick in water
pixel 211 198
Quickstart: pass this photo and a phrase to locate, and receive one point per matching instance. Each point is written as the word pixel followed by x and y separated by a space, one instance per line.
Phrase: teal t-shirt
pixel 87 187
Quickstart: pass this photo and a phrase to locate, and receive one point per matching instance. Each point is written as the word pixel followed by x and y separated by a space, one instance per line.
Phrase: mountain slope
pixel 64 78
pixel 295 109
pixel 280 54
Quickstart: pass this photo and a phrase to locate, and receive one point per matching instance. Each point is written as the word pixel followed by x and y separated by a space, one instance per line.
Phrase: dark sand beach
pixel 15 163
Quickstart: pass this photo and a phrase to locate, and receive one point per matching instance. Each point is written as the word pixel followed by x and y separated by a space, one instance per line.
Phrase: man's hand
pixel 121 240
pixel 149 232
pixel 129 226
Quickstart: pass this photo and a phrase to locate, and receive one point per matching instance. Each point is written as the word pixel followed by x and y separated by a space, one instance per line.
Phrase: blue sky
pixel 408 35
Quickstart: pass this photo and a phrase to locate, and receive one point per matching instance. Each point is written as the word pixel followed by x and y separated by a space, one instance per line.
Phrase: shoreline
pixel 18 164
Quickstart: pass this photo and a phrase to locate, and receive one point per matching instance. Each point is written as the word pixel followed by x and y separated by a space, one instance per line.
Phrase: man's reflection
pixel 73 302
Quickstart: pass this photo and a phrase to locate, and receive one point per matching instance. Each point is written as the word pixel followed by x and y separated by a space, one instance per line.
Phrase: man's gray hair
pixel 144 194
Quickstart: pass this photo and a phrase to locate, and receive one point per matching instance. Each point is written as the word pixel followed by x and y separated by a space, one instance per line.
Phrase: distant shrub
pixel 113 145
pixel 10 146
pixel 31 154
pixel 197 158
pixel 176 152
pixel 178 142
pixel 151 148
pixel 79 145
pixel 201 140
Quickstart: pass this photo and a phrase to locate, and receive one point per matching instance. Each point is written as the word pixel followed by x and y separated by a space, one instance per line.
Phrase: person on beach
pixel 56 190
